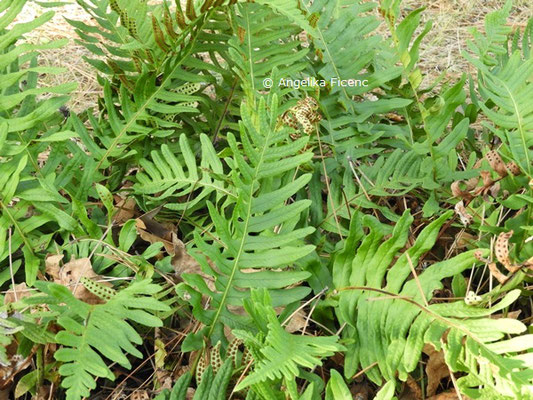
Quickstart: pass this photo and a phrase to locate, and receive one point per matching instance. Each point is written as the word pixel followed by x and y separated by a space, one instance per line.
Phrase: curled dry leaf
pixel 140 395
pixel 496 163
pixel 491 186
pixel 153 232
pixel 487 180
pixel 17 363
pixel 466 219
pixel 501 249
pixel 436 369
pixel 495 272
pixel 411 390
pixel 184 263
pixel 478 254
pixel 513 168
pixel 460 193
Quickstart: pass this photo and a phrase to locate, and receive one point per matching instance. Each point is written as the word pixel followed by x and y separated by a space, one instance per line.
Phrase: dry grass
pixel 452 21
pixel 440 50
pixel 69 57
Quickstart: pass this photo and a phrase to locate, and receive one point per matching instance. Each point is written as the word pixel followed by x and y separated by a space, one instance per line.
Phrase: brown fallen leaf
pixel 451 395
pixel 411 390
pixel 126 209
pixel 161 236
pixel 71 274
pixel 464 216
pixel 436 369
pixel 17 292
pixel 52 265
pixel 501 249
pixel 184 263
pixel 140 395
pixel 496 163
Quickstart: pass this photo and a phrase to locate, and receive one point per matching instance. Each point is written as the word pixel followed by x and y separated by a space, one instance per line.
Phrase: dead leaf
pixel 501 249
pixel 126 210
pixel 17 363
pixel 487 180
pixel 513 168
pixel 411 390
pixel 496 163
pixel 140 395
pixel 16 293
pixel 163 236
pixel 495 272
pixel 466 219
pixel 436 369
pixel 460 193
pixel 489 185
pixel 184 263
pixel 52 265
pixel 451 395
pixel 71 274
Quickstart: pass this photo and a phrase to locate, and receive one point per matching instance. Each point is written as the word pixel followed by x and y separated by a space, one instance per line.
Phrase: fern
pixel 392 332
pixel 256 234
pixel 212 385
pixel 24 135
pixel 263 44
pixel 280 354
pixel 504 86
pixel 93 331
pixel 165 175
pixel 339 25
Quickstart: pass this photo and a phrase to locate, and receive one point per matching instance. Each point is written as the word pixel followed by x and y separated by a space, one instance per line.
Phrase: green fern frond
pixel 264 43
pixel 392 332
pixel 93 331
pixel 505 86
pixel 255 240
pixel 336 31
pixel 27 126
pixel 280 354
pixel 174 177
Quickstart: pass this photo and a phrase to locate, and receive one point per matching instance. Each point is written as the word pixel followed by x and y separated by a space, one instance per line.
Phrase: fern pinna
pixel 390 316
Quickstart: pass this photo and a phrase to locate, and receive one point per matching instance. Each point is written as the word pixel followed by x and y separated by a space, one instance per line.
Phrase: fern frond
pixel 281 354
pixel 264 43
pixel 25 184
pixel 173 178
pixel 505 86
pixel 93 331
pixel 392 332
pixel 255 240
pixel 337 29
